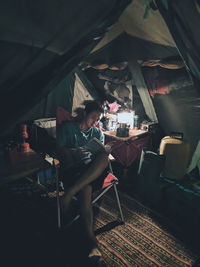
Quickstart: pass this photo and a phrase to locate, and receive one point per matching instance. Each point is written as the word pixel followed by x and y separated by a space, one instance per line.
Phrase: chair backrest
pixel 62 115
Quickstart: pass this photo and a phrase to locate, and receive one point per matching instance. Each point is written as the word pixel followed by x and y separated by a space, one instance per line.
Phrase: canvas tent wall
pixel 41 42
pixel 69 94
pixel 136 35
pixel 167 39
pixel 37 54
pixel 182 19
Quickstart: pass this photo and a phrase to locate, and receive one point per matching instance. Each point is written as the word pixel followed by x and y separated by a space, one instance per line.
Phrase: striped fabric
pixel 143 241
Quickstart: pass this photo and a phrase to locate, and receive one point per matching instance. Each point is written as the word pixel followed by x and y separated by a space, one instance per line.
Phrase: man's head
pixel 92 113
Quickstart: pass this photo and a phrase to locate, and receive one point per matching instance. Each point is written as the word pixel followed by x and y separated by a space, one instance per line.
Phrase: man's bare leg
pixel 85 198
pixel 94 170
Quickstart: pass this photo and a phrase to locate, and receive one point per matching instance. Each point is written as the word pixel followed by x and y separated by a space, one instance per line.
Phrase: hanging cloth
pixel 143 91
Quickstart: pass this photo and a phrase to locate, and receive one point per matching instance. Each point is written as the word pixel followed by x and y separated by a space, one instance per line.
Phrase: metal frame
pixel 113 184
pixel 57 195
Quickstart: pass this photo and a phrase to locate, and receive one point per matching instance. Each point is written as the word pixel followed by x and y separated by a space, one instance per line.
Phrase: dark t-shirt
pixel 71 136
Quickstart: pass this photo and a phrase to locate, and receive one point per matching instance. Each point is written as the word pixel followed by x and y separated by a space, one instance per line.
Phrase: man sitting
pixel 80 168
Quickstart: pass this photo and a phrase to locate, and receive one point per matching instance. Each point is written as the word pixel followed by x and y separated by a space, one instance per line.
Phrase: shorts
pixel 70 176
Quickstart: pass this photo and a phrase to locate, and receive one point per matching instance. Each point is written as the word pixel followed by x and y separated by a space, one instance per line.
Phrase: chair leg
pixel 116 193
pixel 57 198
pixel 117 197
pixel 101 194
pixel 118 202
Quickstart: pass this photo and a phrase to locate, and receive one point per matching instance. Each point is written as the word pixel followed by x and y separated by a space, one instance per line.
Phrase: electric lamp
pixel 125 121
pixel 126 118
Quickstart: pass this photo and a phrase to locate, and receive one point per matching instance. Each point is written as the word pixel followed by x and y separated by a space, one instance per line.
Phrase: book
pixel 94 146
pixel 89 150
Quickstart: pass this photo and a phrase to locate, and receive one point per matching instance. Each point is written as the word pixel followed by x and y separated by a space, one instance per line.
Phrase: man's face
pixel 92 118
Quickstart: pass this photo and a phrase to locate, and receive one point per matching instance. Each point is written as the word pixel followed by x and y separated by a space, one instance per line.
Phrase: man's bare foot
pixel 95 252
pixel 96 259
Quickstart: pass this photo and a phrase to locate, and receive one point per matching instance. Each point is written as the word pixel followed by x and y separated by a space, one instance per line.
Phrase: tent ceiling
pixel 33 33
pixel 132 22
pixel 48 23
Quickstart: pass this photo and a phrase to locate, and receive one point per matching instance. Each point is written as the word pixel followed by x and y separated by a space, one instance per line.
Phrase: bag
pixel 150 185
pixel 151 164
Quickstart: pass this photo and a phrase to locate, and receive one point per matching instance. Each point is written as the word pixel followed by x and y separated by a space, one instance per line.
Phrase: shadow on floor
pixel 29 234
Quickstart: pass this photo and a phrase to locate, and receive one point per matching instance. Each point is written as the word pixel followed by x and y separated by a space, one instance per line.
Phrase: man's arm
pixel 101 137
pixel 68 156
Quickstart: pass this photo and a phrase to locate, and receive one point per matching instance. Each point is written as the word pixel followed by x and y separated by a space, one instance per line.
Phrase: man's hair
pixel 93 106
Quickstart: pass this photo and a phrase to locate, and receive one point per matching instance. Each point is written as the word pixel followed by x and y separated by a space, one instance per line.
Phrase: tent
pixel 142 53
pixel 41 43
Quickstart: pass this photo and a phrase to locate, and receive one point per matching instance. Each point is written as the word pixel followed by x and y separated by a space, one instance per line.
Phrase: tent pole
pixel 142 90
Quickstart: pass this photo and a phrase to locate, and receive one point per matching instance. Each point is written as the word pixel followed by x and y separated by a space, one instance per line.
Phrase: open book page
pixel 94 146
pixel 70 157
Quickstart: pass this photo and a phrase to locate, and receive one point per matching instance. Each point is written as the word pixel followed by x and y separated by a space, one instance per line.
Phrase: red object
pixel 62 115
pixel 108 180
pixel 126 152
pixel 114 107
pixel 25 147
pixel 23 131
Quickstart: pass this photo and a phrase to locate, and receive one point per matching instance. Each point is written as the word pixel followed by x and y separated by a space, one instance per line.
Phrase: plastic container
pixel 136 122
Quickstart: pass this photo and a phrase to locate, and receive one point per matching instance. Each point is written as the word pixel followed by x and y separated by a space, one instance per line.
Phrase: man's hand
pixel 108 147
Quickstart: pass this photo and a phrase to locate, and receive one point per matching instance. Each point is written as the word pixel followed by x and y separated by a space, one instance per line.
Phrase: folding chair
pixel 110 181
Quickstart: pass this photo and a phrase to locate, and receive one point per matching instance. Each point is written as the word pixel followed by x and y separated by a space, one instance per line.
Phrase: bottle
pixel 136 122
pixel 24 133
pixel 24 146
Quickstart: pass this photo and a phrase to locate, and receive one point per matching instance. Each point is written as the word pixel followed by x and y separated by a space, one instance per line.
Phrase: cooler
pixel 176 152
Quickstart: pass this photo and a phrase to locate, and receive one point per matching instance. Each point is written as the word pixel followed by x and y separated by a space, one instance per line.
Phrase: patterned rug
pixel 142 241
